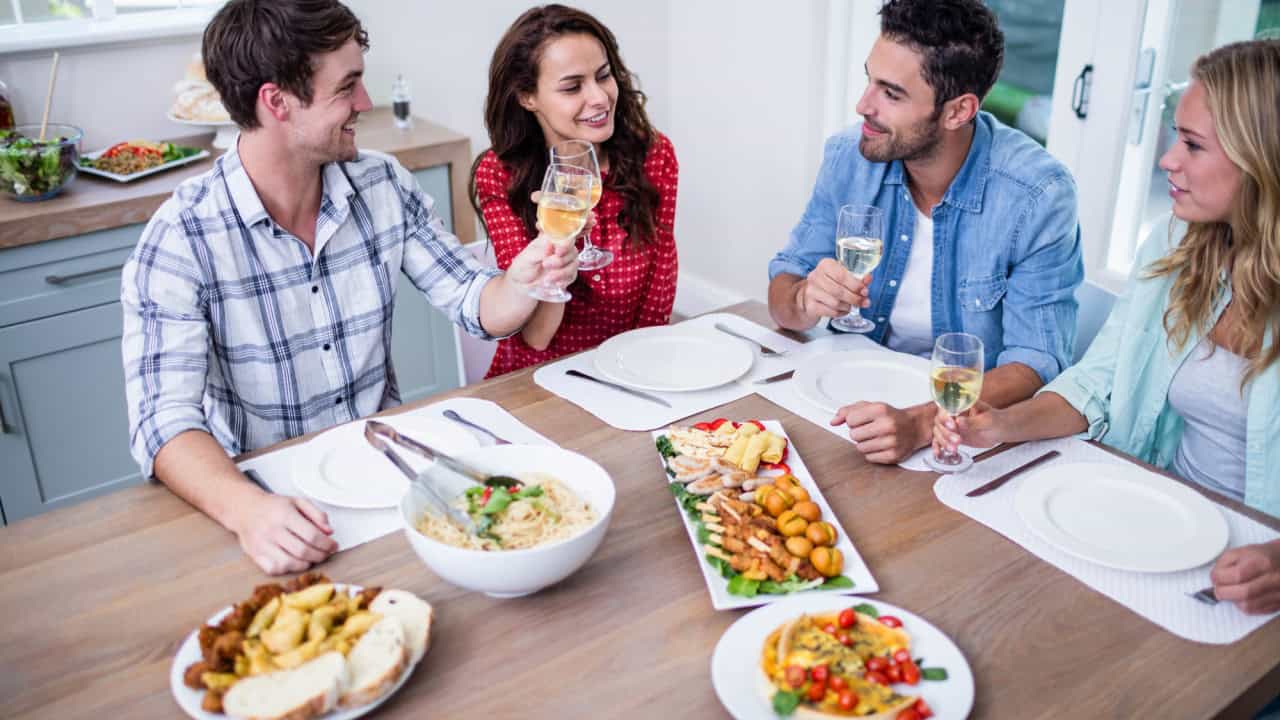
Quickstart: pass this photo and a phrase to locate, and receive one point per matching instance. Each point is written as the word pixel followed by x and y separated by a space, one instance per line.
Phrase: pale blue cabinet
pixel 64 431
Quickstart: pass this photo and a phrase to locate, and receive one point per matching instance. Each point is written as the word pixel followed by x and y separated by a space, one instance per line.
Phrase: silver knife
pixel 615 386
pixel 995 484
pixel 775 378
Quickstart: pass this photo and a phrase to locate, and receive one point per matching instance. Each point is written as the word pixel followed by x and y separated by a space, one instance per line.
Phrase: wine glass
pixel 956 382
pixel 581 153
pixel 859 244
pixel 562 211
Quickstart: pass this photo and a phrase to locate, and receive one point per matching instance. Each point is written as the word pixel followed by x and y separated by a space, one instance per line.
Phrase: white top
pixel 911 322
pixel 1206 392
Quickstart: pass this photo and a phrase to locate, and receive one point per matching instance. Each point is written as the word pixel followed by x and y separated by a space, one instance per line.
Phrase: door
pixel 65 434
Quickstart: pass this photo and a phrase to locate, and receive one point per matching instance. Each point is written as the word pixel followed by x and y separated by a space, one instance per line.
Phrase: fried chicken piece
pixel 263 594
pixel 239 618
pixel 191 678
pixel 366 596
pixel 807 571
pixel 225 650
pixel 208 636
pixel 306 580
pixel 212 702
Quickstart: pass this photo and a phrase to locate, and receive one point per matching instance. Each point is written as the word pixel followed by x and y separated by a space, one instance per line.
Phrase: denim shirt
pixel 1006 244
pixel 1121 385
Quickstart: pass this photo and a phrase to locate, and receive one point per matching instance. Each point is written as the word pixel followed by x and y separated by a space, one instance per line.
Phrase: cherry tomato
pixel 910 672
pixel 829 629
pixel 909 714
pixel 759 425
pixel 838 683
pixel 877 664
pixel 715 424
pixel 796 676
pixel 488 493
pixel 848 618
pixel 877 677
pixel 894 672
pixel 820 674
pixel 848 700
pixel 923 708
pixel 704 427
pixel 844 638
pixel 816 692
pixel 901 656
pixel 890 621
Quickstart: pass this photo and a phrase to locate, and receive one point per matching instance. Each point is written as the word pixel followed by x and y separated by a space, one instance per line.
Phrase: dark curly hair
pixel 252 42
pixel 960 40
pixel 517 138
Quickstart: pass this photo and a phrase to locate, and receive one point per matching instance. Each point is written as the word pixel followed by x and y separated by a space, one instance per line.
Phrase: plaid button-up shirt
pixel 233 327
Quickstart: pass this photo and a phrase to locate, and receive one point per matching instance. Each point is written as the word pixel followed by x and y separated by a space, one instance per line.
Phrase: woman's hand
pixel 1249 576
pixel 981 426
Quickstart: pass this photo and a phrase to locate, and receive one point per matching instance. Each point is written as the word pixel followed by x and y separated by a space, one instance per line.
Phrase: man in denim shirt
pixel 1003 259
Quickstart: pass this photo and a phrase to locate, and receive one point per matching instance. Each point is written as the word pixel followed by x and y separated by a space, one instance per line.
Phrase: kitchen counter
pixel 93 203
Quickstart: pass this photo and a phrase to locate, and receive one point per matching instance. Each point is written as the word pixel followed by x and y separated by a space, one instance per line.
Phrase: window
pixel 47 24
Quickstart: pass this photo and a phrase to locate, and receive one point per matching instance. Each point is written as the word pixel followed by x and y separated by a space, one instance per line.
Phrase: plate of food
pixel 836 657
pixel 306 649
pixel 128 161
pixel 755 516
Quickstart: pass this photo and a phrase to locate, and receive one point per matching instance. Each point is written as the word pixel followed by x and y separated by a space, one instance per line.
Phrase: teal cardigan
pixel 1121 385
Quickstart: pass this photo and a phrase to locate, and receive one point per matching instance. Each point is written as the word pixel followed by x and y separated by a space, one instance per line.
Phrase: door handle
pixel 4 425
pixel 64 279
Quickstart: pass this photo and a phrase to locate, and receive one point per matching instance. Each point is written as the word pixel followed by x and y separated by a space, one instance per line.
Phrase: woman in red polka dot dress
pixel 556 75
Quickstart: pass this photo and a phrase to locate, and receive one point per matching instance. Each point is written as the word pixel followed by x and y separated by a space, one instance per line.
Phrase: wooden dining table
pixel 96 599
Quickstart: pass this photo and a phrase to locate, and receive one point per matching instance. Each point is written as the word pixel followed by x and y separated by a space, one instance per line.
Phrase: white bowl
pixel 512 573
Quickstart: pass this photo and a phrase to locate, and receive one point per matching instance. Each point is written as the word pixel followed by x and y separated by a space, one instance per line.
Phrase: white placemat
pixel 1158 597
pixel 356 527
pixel 788 396
pixel 626 412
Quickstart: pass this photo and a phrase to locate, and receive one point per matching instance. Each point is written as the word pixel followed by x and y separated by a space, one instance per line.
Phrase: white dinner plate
pixel 1121 516
pixel 831 381
pixel 141 173
pixel 855 568
pixel 738 679
pixel 340 468
pixel 189 700
pixel 671 358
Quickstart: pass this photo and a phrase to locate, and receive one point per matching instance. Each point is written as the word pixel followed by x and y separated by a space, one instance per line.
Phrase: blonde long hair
pixel 1242 84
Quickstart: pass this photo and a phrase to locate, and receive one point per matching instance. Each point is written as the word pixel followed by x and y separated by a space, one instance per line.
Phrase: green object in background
pixel 1005 102
pixel 1269 18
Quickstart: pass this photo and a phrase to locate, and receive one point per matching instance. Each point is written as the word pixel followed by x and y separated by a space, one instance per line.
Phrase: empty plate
pixel 673 359
pixel 340 468
pixel 1121 516
pixel 834 380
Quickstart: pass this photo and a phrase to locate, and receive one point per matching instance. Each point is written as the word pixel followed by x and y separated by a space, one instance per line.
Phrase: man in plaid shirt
pixel 258 303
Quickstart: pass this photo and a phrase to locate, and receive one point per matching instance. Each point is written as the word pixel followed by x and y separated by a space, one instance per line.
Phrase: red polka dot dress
pixel 636 290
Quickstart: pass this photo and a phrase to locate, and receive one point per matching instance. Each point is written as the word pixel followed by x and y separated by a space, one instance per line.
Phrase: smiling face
pixel 1202 179
pixel 324 131
pixel 576 94
pixel 900 120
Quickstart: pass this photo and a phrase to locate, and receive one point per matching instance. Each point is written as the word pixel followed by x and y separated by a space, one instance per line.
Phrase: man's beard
pixel 921 143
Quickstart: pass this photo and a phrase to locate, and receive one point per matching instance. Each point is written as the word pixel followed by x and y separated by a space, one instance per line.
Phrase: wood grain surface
pixel 98 597
pixel 93 203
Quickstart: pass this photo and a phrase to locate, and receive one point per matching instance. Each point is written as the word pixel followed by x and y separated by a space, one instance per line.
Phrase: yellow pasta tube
pixel 751 456
pixel 773 453
pixel 734 453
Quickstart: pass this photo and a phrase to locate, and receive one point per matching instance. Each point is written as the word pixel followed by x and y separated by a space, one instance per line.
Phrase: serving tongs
pixel 448 461
pixel 442 507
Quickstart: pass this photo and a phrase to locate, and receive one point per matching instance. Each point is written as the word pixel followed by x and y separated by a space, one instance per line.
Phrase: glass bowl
pixel 33 170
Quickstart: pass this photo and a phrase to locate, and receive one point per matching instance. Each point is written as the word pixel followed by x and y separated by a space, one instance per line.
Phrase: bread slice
pixel 414 613
pixel 375 663
pixel 307 691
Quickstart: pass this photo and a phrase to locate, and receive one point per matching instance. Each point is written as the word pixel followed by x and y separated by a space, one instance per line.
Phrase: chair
pixel 1095 304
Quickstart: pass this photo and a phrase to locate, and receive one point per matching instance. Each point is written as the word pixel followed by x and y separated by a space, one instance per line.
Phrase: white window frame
pixel 106 26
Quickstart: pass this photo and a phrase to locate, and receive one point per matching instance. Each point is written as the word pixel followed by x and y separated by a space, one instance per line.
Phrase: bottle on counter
pixel 400 103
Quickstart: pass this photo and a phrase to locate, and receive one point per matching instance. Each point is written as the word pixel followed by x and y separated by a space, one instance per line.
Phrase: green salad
pixel 33 168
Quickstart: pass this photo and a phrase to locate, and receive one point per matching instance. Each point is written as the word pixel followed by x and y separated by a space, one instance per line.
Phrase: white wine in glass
pixel 859 245
pixel 581 153
pixel 955 381
pixel 562 211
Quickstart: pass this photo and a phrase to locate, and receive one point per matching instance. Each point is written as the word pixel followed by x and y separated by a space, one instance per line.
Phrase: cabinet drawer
pixel 57 276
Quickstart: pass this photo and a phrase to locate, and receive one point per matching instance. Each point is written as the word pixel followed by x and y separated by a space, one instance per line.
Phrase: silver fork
pixel 765 350
pixel 459 419
pixel 1205 596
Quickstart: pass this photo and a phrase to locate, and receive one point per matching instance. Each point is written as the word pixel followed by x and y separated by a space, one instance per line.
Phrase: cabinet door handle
pixel 4 425
pixel 64 279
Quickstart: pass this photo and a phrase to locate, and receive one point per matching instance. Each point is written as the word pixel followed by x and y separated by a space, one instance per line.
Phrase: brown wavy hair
pixel 517 138
pixel 1242 84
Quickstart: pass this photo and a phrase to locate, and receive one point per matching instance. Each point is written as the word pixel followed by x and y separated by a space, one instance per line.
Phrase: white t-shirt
pixel 911 322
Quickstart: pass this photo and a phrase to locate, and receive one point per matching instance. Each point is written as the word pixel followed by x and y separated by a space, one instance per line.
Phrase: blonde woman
pixel 1184 374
